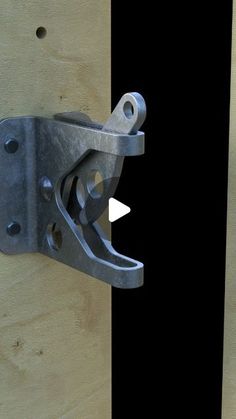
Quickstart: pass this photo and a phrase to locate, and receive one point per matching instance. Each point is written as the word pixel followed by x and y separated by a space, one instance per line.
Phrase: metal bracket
pixel 50 200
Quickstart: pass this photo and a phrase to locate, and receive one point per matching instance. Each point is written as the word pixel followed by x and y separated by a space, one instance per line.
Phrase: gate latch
pixel 51 198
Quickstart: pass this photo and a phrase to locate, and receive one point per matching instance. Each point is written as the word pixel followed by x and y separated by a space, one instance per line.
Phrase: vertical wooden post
pixel 54 321
pixel 229 364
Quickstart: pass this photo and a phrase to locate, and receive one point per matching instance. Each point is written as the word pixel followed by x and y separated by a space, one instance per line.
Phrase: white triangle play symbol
pixel 117 210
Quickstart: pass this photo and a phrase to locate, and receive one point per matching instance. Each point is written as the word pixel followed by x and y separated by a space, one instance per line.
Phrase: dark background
pixel 168 335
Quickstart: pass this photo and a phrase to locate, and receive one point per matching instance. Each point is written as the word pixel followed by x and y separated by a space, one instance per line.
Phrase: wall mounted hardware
pixel 50 201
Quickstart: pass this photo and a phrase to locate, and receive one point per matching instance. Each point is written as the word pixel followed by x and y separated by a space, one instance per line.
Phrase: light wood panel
pixel 54 321
pixel 229 364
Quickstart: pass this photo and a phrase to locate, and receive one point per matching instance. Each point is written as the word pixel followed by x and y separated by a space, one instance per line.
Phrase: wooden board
pixel 54 321
pixel 229 363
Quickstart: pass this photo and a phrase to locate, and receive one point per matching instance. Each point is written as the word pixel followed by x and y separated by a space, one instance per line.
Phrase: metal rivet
pixel 11 145
pixel 46 188
pixel 13 228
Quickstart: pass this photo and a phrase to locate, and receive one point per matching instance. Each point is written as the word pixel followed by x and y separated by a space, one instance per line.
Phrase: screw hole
pixel 13 228
pixel 95 184
pixel 41 32
pixel 54 236
pixel 128 110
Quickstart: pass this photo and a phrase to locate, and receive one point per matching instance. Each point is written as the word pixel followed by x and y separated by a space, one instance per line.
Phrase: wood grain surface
pixel 55 322
pixel 229 364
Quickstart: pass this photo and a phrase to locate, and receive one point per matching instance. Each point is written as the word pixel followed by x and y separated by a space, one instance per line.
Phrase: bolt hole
pixel 41 32
pixel 128 110
pixel 95 184
pixel 54 236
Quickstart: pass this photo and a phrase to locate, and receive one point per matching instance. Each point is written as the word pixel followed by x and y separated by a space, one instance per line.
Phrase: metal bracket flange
pixel 50 200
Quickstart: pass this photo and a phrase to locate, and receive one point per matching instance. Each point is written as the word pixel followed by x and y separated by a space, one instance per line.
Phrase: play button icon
pixel 117 210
